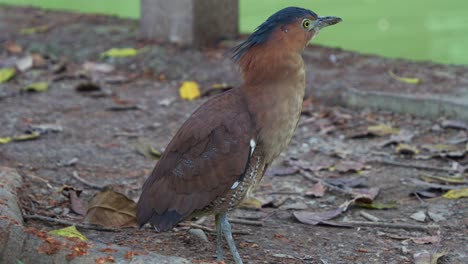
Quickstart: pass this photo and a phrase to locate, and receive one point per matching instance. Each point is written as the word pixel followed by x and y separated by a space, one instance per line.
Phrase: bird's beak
pixel 322 22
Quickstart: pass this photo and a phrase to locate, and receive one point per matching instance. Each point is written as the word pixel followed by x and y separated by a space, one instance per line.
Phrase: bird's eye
pixel 306 23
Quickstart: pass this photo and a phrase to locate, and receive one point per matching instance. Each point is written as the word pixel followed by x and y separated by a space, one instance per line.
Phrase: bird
pixel 221 152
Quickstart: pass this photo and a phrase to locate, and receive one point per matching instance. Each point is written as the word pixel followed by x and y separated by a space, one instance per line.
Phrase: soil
pixel 139 101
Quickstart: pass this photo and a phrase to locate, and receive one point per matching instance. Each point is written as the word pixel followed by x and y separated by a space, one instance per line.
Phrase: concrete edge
pixel 424 105
pixel 19 243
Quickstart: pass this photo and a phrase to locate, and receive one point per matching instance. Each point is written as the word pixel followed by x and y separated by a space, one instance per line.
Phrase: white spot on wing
pixel 252 146
pixel 235 185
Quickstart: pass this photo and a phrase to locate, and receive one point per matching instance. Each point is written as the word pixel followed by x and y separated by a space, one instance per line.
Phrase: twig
pixel 211 230
pixel 392 225
pixel 314 179
pixel 245 222
pixel 69 223
pixel 85 182
pixel 414 166
pixel 369 216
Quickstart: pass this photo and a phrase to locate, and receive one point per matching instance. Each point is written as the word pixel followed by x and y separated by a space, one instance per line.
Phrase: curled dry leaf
pixel 404 79
pixel 406 149
pixel 365 195
pixel 13 47
pixel 98 67
pixel 111 209
pixel 351 182
pixel 314 218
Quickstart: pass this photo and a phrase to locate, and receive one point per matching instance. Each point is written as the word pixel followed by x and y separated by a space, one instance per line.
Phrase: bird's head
pixel 289 29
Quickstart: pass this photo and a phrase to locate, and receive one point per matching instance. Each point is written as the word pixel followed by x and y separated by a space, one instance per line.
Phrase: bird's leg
pixel 219 239
pixel 226 228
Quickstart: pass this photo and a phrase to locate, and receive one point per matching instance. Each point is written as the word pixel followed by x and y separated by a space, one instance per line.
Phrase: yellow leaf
pixel 189 91
pixel 383 130
pixel 404 79
pixel 456 194
pixel 6 74
pixel 34 30
pixel 70 231
pixel 124 52
pixel 36 87
pixel 453 180
pixel 406 149
pixel 25 137
pixel 5 140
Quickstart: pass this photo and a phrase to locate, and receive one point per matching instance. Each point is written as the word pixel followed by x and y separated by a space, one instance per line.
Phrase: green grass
pixel 413 29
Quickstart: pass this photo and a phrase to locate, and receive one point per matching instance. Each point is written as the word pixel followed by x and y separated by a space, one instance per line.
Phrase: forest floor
pixel 94 124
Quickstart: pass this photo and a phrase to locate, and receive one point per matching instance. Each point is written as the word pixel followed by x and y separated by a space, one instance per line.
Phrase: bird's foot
pixel 219 240
pixel 226 229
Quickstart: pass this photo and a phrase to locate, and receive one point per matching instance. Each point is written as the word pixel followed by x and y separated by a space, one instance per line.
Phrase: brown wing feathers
pixel 206 156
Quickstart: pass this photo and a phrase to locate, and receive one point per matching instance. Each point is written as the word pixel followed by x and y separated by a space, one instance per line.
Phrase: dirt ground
pixel 139 102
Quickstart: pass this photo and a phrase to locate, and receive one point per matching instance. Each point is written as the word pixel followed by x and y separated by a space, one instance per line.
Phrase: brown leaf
pixel 314 218
pixel 426 240
pixel 13 47
pixel 365 195
pixel 77 204
pixel 111 209
pixel 317 190
pixel 348 166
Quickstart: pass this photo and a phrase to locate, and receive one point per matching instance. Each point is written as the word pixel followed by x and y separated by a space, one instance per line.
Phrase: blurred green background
pixel 413 29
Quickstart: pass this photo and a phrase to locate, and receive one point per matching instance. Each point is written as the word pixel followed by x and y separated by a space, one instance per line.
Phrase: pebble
pixel 198 234
pixel 419 216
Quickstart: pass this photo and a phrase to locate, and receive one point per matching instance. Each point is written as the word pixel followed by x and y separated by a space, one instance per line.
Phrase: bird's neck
pixel 274 88
pixel 270 64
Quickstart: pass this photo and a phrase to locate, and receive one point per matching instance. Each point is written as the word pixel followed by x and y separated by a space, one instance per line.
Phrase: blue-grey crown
pixel 263 32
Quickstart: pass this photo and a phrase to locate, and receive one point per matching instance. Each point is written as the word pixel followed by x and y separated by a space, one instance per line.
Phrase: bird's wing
pixel 206 156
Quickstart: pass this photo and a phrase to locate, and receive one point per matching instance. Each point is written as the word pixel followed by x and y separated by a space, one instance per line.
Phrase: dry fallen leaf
pixel 111 209
pixel 404 79
pixel 406 149
pixel 36 87
pixel 34 30
pixel 70 231
pixel 314 218
pixel 251 203
pixel 189 91
pixel 123 52
pixel 13 47
pixel 348 166
pixel 382 130
pixel 365 195
pixel 25 63
pixel 6 74
pixel 377 205
pixel 317 190
pixel 456 194
pixel 98 67
pixel 425 257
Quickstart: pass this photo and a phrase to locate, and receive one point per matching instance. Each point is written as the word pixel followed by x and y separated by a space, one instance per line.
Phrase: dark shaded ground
pixel 103 141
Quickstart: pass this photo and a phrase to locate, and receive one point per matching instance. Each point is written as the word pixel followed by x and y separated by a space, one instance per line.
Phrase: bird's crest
pixel 264 31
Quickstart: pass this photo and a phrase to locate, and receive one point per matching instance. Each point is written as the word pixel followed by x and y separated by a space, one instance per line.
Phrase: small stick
pixel 314 179
pixel 414 166
pixel 369 216
pixel 245 222
pixel 392 225
pixel 69 223
pixel 85 182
